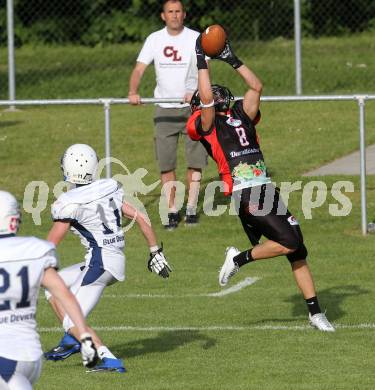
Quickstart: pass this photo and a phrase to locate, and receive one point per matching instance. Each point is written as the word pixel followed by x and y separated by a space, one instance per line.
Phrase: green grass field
pixel 171 334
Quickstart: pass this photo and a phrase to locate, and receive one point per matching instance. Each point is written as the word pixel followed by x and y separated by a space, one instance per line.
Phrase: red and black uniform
pixel 233 143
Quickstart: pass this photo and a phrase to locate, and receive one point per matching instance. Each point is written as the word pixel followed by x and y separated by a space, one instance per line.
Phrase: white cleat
pixel 320 322
pixel 229 268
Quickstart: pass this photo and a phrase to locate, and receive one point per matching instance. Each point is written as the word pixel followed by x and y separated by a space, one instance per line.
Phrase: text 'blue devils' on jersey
pixel 23 261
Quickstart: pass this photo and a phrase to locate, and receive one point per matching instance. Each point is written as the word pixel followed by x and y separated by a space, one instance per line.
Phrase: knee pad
pixel 299 254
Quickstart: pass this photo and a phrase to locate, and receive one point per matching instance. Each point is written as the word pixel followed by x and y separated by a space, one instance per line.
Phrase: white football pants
pixel 87 296
pixel 25 375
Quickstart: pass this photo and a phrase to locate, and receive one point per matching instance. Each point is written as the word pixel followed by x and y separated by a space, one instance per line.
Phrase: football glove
pixel 201 57
pixel 158 264
pixel 227 55
pixel 88 351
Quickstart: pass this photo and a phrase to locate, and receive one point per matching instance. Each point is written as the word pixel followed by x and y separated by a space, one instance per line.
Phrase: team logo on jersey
pixel 170 51
pixel 244 171
pixel 234 122
pixel 292 221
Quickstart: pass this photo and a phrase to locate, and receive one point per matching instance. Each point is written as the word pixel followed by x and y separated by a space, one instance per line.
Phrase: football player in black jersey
pixel 230 138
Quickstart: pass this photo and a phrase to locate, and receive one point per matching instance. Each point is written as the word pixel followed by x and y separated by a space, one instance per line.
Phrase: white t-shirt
pixel 94 212
pixel 23 261
pixel 175 63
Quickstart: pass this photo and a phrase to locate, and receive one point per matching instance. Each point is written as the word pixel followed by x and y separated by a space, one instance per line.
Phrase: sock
pixel 243 258
pixel 104 352
pixel 313 305
pixel 191 210
pixel 172 210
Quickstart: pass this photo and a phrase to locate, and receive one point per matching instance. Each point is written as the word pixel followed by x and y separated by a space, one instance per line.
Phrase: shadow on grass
pixel 9 123
pixel 163 342
pixel 330 299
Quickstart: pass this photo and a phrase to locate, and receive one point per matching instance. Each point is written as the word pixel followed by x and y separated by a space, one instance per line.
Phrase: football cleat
pixel 67 347
pixel 319 321
pixel 109 364
pixel 229 268
pixel 173 221
pixel 191 220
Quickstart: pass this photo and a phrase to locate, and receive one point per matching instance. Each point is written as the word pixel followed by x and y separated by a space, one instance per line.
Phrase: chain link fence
pixel 86 48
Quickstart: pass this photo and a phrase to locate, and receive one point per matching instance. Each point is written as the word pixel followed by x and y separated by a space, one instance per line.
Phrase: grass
pixel 295 138
pixel 329 65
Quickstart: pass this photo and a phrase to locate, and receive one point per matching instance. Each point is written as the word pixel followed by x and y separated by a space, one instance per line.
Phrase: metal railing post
pixel 297 43
pixel 362 150
pixel 107 119
pixel 11 62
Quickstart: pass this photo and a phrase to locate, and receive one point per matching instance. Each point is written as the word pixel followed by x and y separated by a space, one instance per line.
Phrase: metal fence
pixel 107 103
pixel 102 37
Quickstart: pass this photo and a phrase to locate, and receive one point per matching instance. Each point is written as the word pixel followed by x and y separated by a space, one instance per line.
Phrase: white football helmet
pixel 79 164
pixel 10 214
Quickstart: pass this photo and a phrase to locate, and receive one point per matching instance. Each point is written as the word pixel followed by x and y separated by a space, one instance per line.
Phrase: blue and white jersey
pixel 94 212
pixel 23 261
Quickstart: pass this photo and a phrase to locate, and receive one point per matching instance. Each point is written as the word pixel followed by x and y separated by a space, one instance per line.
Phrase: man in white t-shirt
pixel 26 263
pixel 172 49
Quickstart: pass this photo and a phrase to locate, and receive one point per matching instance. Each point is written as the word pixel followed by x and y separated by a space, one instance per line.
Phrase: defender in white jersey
pixel 172 50
pixel 26 263
pixel 93 210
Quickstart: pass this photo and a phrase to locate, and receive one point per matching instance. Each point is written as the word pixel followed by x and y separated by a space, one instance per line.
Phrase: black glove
pixel 227 55
pixel 158 264
pixel 201 57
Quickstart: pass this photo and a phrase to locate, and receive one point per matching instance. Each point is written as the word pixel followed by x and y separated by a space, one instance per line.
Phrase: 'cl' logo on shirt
pixel 169 51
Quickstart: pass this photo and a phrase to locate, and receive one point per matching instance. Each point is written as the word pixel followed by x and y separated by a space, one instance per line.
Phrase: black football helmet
pixel 222 99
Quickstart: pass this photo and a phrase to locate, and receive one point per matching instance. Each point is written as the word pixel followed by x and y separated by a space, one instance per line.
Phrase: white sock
pixel 104 352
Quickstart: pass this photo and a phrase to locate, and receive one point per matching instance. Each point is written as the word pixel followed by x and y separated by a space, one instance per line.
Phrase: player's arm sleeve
pixel 194 127
pixel 240 112
pixel 63 212
pixel 146 55
pixel 51 260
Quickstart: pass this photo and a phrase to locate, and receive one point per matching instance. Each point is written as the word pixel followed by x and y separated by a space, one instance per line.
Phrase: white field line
pixel 222 328
pixel 237 287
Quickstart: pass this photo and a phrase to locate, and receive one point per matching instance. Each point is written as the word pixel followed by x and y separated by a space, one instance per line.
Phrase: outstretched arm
pixel 157 262
pixel 146 228
pixel 251 99
pixel 204 88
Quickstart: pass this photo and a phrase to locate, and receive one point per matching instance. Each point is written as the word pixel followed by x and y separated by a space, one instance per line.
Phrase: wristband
pixel 211 104
pixel 237 63
pixel 201 62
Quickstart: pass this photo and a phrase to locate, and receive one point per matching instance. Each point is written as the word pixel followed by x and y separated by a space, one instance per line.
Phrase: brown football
pixel 213 40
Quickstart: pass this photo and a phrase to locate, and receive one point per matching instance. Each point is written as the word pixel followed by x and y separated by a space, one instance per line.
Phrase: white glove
pixel 158 264
pixel 88 351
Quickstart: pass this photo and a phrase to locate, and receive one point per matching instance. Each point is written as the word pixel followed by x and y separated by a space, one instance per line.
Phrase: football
pixel 213 40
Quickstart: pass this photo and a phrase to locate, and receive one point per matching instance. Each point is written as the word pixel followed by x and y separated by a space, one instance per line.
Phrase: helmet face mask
pixel 10 215
pixel 222 99
pixel 79 164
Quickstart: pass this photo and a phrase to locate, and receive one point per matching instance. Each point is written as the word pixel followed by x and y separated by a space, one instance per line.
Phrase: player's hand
pixel 134 99
pixel 227 55
pixel 158 264
pixel 201 57
pixel 88 351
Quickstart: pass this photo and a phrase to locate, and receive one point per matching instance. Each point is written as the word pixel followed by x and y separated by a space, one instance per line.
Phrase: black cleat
pixel 173 221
